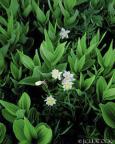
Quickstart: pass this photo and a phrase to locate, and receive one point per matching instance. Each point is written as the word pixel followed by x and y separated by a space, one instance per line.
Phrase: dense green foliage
pixel 57 75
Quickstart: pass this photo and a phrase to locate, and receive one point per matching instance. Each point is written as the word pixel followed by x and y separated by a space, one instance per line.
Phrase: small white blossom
pixel 56 74
pixel 50 101
pixel 68 76
pixel 67 85
pixel 64 33
pixel 67 81
pixel 38 83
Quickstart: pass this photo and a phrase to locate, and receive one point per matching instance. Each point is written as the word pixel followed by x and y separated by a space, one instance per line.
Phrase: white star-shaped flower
pixel 50 101
pixel 67 85
pixel 56 74
pixel 64 33
pixel 68 76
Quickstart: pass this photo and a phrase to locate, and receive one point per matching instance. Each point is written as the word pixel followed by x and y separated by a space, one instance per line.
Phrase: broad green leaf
pixel 4 50
pixel 91 48
pixel 37 72
pixel 81 63
pixel 33 115
pixel 61 67
pixel 20 113
pixel 48 42
pixel 83 43
pixel 81 81
pixel 69 4
pixel 27 10
pixel 11 108
pixel 29 80
pixel 8 116
pixel 95 39
pixel 108 113
pixel 108 58
pixel 26 61
pixel 39 13
pixel 2 63
pixel 109 94
pixel 10 27
pixel 63 10
pixel 14 71
pixel 18 128
pixel 58 53
pixel 29 130
pixel 79 49
pixel 14 7
pixel 88 82
pixel 44 133
pixel 70 21
pixel 36 59
pixel 100 86
pixel 2 132
pixel 24 102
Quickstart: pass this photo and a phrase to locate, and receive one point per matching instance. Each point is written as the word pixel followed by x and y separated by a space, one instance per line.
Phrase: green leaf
pixel 2 132
pixel 24 102
pixel 14 71
pixel 33 115
pixel 88 82
pixel 10 27
pixel 80 64
pixel 11 108
pixel 4 50
pixel 58 53
pixel 20 113
pixel 36 59
pixel 29 81
pixel 108 113
pixel 2 63
pixel 47 55
pixel 14 6
pixel 26 61
pixel 91 48
pixel 29 130
pixel 108 58
pixel 109 94
pixel 100 86
pixel 8 116
pixel 79 49
pixel 18 128
pixel 61 67
pixel 69 4
pixel 48 42
pixel 70 21
pixel 44 133
pixel 83 43
pixel 27 10
pixel 39 13
pixel 37 72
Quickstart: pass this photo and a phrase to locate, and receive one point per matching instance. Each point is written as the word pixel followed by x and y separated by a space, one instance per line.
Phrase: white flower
pixel 64 33
pixel 38 83
pixel 68 76
pixel 56 74
pixel 67 85
pixel 50 101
